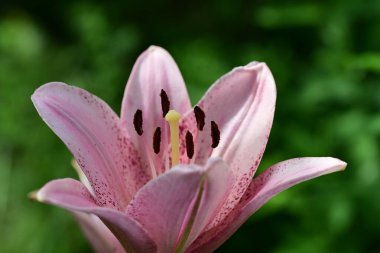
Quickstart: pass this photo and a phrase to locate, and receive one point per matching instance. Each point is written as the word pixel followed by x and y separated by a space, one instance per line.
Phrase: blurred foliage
pixel 325 56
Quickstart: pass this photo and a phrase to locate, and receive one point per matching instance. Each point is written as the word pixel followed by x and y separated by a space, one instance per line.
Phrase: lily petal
pixel 162 205
pixel 72 195
pixel 217 187
pixel 92 132
pixel 175 207
pixel 272 181
pixel 101 238
pixel 154 70
pixel 242 103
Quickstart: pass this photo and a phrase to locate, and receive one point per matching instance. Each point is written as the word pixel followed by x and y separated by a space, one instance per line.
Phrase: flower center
pixel 173 118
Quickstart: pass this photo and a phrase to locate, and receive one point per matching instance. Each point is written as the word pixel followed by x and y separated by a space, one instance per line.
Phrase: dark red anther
pixel 165 103
pixel 215 134
pixel 189 145
pixel 200 117
pixel 138 122
pixel 157 140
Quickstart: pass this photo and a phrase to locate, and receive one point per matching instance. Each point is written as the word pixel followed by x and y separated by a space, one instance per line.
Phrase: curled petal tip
pixel 36 95
pixel 335 163
pixel 253 66
pixel 342 165
pixel 40 92
pixel 154 47
pixel 36 195
pixel 156 51
pixel 32 195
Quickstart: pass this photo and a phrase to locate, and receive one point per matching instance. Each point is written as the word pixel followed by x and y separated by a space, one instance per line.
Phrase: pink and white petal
pixel 242 103
pixel 217 186
pixel 93 133
pixel 100 237
pixel 154 70
pixel 72 195
pixel 272 181
pixel 163 205
pixel 176 207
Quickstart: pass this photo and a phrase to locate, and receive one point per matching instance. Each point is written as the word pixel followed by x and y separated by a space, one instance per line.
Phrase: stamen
pixel 200 117
pixel 165 102
pixel 215 134
pixel 173 118
pixel 189 145
pixel 138 122
pixel 157 140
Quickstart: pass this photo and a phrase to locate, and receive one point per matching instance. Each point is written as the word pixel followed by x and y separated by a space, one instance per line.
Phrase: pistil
pixel 173 117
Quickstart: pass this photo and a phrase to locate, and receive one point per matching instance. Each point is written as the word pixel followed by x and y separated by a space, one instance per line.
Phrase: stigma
pixel 173 117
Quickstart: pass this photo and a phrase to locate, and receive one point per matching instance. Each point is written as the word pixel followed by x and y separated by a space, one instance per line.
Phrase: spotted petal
pixel 272 181
pixel 74 196
pixel 100 237
pixel 242 104
pixel 92 132
pixel 154 70
pixel 175 207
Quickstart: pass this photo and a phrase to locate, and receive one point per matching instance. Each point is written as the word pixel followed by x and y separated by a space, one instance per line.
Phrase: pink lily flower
pixel 165 177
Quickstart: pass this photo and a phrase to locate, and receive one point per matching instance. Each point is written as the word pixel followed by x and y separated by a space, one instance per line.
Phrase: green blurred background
pixel 324 55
